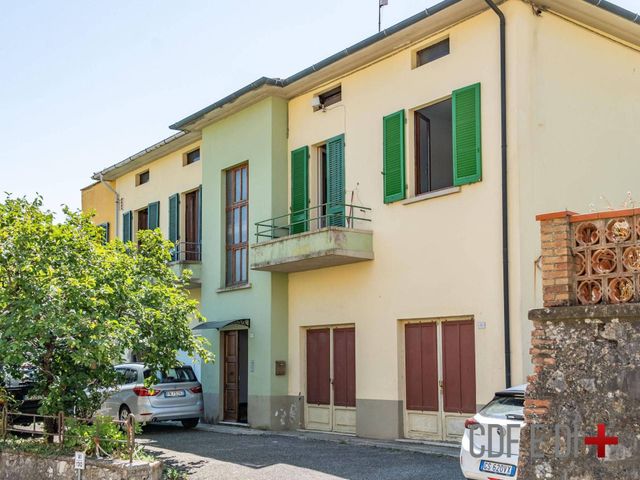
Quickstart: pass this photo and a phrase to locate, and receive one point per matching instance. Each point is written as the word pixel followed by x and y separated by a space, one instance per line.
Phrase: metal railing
pixel 14 422
pixel 187 252
pixel 312 218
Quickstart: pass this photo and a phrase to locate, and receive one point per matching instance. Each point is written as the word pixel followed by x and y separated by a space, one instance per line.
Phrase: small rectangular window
pixel 192 157
pixel 142 177
pixel 434 149
pixel 432 52
pixel 330 97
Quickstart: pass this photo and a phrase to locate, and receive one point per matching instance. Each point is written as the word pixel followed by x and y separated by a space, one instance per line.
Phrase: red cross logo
pixel 601 440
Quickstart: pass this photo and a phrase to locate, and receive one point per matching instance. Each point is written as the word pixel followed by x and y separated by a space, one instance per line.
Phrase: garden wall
pixel 27 466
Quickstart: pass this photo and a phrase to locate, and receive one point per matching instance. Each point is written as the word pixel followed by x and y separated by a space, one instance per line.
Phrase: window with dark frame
pixel 433 147
pixel 192 157
pixel 330 97
pixel 432 52
pixel 142 177
pixel 237 223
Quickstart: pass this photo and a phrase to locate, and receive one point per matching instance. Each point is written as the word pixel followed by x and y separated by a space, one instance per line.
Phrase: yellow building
pixel 99 198
pixel 396 240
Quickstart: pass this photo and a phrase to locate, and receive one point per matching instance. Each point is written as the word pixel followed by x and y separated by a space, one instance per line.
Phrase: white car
pixel 174 395
pixel 491 440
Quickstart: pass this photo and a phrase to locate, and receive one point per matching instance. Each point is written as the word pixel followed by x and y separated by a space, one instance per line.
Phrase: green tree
pixel 73 306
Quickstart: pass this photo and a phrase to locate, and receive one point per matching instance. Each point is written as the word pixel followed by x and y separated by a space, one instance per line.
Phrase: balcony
pixel 188 256
pixel 317 237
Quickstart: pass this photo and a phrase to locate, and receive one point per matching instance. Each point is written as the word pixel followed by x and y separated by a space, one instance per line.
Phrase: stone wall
pixel 587 372
pixel 26 466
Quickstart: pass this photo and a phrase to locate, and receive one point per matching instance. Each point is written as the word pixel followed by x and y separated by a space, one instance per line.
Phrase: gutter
pixel 616 10
pixel 505 211
pixel 278 82
pixel 117 202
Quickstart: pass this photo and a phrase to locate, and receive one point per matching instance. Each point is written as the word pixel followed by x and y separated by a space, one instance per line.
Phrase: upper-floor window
pixel 192 157
pixel 433 147
pixel 142 177
pixel 329 97
pixel 237 223
pixel 432 52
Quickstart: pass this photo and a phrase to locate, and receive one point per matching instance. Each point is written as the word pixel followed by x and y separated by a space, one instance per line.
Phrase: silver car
pixel 174 395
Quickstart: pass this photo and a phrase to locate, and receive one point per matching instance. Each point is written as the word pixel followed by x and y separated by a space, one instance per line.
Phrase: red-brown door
pixel 440 389
pixel 458 366
pixel 421 364
pixel 191 247
pixel 231 382
pixel 344 367
pixel 318 367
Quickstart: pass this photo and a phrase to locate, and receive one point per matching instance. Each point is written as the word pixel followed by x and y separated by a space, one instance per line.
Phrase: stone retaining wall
pixel 27 466
pixel 587 372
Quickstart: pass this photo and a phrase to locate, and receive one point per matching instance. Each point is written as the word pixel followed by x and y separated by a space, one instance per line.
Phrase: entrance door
pixel 331 379
pixel 440 379
pixel 235 375
pixel 192 244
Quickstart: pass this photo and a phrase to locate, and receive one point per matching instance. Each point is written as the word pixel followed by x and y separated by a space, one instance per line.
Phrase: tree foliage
pixel 72 305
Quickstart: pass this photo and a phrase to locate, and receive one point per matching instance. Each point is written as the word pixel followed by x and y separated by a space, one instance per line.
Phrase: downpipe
pixel 505 211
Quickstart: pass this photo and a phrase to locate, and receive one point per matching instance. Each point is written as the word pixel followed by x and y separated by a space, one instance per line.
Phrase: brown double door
pixel 330 401
pixel 235 373
pixel 440 376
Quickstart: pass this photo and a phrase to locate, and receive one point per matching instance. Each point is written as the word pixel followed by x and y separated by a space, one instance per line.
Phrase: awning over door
pixel 243 322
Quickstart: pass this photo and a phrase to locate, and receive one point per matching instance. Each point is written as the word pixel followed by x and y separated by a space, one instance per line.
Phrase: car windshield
pixel 511 408
pixel 174 375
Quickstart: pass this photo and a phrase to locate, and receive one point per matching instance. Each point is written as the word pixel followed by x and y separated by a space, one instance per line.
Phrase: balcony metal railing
pixel 187 252
pixel 312 218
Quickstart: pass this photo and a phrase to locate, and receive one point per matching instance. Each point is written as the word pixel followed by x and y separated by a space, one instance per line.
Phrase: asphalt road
pixel 212 455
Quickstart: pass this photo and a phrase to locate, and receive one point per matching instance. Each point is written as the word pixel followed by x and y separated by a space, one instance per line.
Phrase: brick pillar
pixel 558 263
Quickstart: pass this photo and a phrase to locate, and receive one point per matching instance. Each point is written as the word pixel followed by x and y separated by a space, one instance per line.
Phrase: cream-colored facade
pixel 574 111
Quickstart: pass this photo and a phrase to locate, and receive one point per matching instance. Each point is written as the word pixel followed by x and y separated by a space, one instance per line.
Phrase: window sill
pixel 435 194
pixel 233 288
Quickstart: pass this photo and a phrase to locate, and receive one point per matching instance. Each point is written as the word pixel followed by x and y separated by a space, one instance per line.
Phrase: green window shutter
pixel 467 151
pixel 299 190
pixel 335 181
pixel 393 157
pixel 126 226
pixel 105 227
pixel 174 223
pixel 154 215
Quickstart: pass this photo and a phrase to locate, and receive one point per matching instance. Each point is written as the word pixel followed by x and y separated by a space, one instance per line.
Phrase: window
pixel 143 219
pixel 330 97
pixel 432 52
pixel 434 149
pixel 237 209
pixel 192 157
pixel 142 178
pixel 105 228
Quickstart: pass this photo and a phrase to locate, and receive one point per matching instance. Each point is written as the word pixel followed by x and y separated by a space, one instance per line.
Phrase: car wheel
pixel 124 415
pixel 190 422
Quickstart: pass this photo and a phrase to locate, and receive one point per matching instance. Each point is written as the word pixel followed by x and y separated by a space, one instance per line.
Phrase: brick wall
pixel 558 269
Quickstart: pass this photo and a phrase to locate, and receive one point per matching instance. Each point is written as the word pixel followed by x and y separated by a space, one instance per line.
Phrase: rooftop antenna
pixel 381 3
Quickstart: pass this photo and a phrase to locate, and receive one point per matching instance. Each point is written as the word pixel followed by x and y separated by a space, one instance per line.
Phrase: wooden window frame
pixel 439 55
pixel 185 157
pixel 329 97
pixel 232 248
pixel 139 178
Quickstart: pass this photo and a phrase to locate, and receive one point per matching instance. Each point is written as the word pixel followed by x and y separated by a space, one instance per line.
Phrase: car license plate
pixel 174 393
pixel 499 468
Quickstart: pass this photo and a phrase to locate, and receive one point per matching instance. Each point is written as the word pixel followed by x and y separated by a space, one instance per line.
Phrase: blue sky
pixel 86 83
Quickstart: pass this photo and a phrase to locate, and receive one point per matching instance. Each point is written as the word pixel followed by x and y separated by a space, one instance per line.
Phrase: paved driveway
pixel 213 455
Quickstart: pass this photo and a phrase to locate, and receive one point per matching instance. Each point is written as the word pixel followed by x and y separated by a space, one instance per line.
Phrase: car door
pixel 113 401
